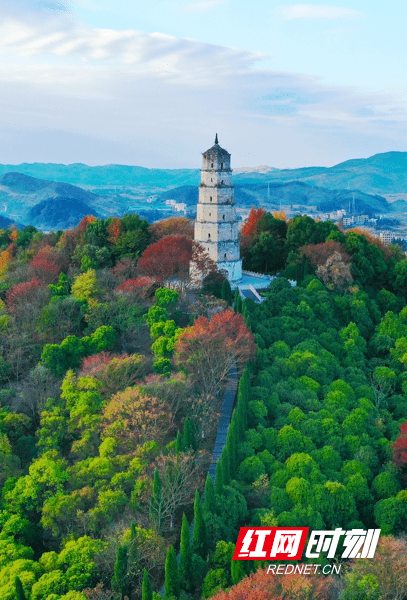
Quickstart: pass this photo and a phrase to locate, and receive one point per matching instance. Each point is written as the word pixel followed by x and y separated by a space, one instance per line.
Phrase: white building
pixel 216 225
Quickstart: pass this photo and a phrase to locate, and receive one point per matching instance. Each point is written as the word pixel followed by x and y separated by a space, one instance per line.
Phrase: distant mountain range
pixel 380 174
pixel 292 193
pixel 44 204
pixel 52 196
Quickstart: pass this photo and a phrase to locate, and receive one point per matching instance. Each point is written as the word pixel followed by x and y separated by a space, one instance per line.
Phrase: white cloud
pixel 317 11
pixel 205 5
pixel 71 93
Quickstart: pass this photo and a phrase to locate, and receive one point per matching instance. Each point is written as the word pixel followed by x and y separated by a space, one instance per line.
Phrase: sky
pixel 150 83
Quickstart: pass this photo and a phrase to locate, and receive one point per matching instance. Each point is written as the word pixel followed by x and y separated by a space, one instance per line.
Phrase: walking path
pixel 225 416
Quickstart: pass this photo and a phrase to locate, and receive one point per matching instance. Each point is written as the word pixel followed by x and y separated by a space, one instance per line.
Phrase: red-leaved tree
pixel 141 287
pixel 207 350
pixel 250 225
pixel 22 293
pixel 400 450
pixel 47 265
pixel 167 259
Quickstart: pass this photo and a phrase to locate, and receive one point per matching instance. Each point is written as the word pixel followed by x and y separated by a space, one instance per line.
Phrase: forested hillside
pixel 112 366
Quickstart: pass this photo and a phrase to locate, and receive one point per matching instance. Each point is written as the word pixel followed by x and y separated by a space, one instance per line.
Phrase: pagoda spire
pixel 216 139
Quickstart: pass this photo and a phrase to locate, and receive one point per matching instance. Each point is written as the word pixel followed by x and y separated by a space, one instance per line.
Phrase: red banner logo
pixel 278 543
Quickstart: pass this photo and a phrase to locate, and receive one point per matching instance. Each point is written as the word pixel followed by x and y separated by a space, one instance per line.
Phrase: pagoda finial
pixel 216 139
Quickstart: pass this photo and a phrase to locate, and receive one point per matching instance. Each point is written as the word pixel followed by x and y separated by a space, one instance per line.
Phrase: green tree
pixel 156 501
pixel 146 587
pixel 226 292
pixel 120 581
pixel 237 571
pixel 209 496
pixel 219 479
pixel 185 560
pixel 189 438
pixel 171 583
pixel 200 542
pixel 20 595
pixel 237 301
pixel 86 286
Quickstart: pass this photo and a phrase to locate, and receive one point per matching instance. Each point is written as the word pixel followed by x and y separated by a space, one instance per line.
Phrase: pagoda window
pixel 211 165
pixel 225 254
pixel 210 198
pixel 221 165
pixel 223 217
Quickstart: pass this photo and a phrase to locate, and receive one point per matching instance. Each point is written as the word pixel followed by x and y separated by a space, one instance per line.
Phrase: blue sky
pixel 150 83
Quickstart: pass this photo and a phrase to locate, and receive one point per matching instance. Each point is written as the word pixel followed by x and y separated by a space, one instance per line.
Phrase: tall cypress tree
pixel 225 465
pixel 237 301
pixel 189 439
pixel 209 496
pixel 171 583
pixel 120 581
pixel 237 571
pixel 219 480
pixel 155 502
pixel 226 292
pixel 231 442
pixel 246 314
pixel 146 587
pixel 20 595
pixel 179 447
pixel 133 553
pixel 185 557
pixel 200 541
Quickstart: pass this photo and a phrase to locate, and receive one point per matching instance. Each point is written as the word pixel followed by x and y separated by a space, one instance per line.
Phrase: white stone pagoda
pixel 216 225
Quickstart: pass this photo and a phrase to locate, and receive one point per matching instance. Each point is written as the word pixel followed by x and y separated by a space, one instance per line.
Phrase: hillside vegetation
pixel 112 365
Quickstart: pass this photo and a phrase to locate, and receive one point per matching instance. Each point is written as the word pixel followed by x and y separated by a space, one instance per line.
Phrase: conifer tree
pixel 237 301
pixel 226 465
pixel 189 439
pixel 146 587
pixel 200 542
pixel 231 442
pixel 246 314
pixel 219 481
pixel 20 595
pixel 209 496
pixel 120 581
pixel 133 552
pixel 237 571
pixel 240 419
pixel 156 501
pixel 226 292
pixel 178 443
pixel 185 558
pixel 171 583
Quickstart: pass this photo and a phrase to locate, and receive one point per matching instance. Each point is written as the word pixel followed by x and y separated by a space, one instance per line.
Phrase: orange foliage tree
pixel 114 230
pixel 250 225
pixel 263 586
pixel 5 259
pixel 208 349
pixel 172 226
pixel 318 254
pixel 132 418
pixel 85 222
